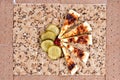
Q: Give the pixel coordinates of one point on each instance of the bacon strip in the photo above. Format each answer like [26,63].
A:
[71,17]
[83,39]
[81,29]
[70,63]
[83,56]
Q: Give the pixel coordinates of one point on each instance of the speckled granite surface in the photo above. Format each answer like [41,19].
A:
[31,19]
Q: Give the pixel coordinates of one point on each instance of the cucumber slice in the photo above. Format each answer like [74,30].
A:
[46,44]
[54,52]
[48,35]
[53,28]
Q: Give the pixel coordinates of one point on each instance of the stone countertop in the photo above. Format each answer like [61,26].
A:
[30,20]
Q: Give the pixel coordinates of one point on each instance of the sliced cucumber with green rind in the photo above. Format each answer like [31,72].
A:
[53,28]
[48,35]
[54,52]
[46,44]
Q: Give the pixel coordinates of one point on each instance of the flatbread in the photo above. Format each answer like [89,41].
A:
[82,55]
[82,39]
[70,63]
[81,29]
[71,17]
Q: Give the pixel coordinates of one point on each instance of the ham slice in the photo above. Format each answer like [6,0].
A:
[81,29]
[83,39]
[83,56]
[71,17]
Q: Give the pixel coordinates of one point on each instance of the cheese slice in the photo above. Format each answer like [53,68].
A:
[81,29]
[83,39]
[82,55]
[70,63]
[71,17]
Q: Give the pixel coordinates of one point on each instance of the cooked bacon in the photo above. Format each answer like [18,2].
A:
[81,29]
[71,17]
[83,39]
[83,56]
[70,63]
